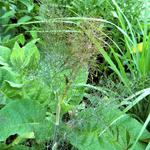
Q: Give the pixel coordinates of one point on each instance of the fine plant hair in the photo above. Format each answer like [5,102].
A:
[71,45]
[69,50]
[66,42]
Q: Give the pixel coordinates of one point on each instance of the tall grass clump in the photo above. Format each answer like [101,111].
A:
[47,101]
[67,56]
[132,62]
[137,55]
[77,40]
[129,63]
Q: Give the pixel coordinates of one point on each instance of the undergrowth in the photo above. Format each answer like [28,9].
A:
[48,98]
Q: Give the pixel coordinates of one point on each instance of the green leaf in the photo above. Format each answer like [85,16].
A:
[8,14]
[74,94]
[22,117]
[10,43]
[6,73]
[25,57]
[31,53]
[2,62]
[34,34]
[11,89]
[9,86]
[28,3]
[38,90]
[108,130]
[17,56]
[5,53]
[18,147]
[14,85]
[24,19]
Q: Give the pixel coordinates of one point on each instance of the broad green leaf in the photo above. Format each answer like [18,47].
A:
[31,53]
[9,82]
[19,139]
[17,56]
[28,3]
[8,14]
[11,89]
[34,34]
[25,57]
[38,90]
[6,73]
[21,147]
[18,147]
[5,53]
[20,39]
[100,129]
[53,72]
[24,19]
[3,62]
[22,117]
[74,94]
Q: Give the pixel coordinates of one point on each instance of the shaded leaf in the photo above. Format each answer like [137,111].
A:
[5,53]
[17,56]
[24,19]
[22,117]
